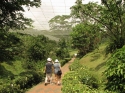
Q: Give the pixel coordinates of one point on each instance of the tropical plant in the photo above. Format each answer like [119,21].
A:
[115,72]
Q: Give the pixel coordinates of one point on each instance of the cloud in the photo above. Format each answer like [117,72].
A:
[48,10]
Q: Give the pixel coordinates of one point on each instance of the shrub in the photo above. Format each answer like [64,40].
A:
[63,62]
[23,82]
[71,84]
[75,65]
[33,65]
[81,80]
[115,72]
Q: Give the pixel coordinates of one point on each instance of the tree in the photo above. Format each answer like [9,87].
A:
[40,48]
[60,23]
[9,46]
[62,51]
[109,16]
[11,14]
[85,37]
[11,17]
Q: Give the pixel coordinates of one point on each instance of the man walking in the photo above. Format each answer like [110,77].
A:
[48,71]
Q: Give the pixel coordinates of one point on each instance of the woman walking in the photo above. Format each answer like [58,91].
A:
[57,71]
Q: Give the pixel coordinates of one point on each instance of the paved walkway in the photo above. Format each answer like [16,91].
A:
[50,88]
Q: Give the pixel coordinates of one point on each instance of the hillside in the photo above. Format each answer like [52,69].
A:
[52,35]
[96,60]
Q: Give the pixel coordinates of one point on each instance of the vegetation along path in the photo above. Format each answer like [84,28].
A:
[50,88]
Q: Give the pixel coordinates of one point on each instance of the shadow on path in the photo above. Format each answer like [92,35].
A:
[50,88]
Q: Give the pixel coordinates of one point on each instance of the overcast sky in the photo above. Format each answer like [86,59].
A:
[49,9]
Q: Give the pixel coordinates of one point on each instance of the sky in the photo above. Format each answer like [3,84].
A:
[49,9]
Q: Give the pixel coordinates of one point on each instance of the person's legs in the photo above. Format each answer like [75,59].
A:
[46,79]
[58,79]
[55,78]
[50,77]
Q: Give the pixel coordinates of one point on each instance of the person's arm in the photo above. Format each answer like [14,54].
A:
[44,69]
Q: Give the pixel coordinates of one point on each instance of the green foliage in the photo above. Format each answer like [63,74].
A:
[37,52]
[75,65]
[60,23]
[115,72]
[11,14]
[72,84]
[81,80]
[89,79]
[85,37]
[9,46]
[35,48]
[33,65]
[5,73]
[114,45]
[62,51]
[85,76]
[22,82]
[109,17]
[64,61]
[31,53]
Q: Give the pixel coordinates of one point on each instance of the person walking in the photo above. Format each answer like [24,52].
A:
[48,71]
[57,71]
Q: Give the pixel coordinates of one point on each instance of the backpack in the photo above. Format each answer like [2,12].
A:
[59,72]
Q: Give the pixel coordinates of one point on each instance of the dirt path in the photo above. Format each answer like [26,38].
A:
[50,88]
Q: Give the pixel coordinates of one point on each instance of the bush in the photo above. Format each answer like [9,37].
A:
[63,62]
[81,80]
[23,82]
[79,76]
[75,65]
[32,65]
[67,59]
[87,78]
[71,84]
[115,72]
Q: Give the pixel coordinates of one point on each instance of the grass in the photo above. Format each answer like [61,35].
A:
[96,60]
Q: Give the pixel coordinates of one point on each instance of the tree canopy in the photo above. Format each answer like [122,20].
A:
[60,23]
[109,16]
[11,13]
[12,17]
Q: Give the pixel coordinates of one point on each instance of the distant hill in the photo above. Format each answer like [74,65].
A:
[53,35]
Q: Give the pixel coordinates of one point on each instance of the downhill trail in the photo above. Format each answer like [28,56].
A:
[51,88]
